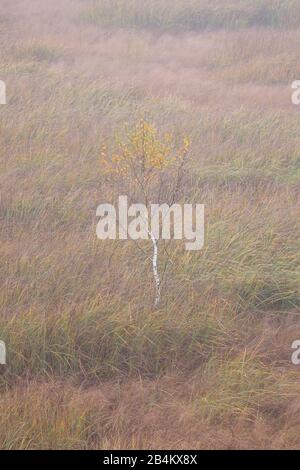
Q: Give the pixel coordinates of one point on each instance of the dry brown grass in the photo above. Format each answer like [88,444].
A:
[90,365]
[171,412]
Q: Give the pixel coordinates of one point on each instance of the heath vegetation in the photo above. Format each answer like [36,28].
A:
[90,362]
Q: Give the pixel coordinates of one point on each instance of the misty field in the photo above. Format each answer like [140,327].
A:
[90,363]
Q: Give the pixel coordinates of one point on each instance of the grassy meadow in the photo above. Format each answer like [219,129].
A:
[90,363]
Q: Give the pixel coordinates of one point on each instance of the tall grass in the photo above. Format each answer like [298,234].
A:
[96,344]
[194,14]
[89,363]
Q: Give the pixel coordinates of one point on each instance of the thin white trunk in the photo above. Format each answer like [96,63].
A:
[155,270]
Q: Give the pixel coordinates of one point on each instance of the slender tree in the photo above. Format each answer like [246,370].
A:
[149,167]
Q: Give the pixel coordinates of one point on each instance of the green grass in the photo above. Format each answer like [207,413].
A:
[97,344]
[90,364]
[194,15]
[39,52]
[237,387]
